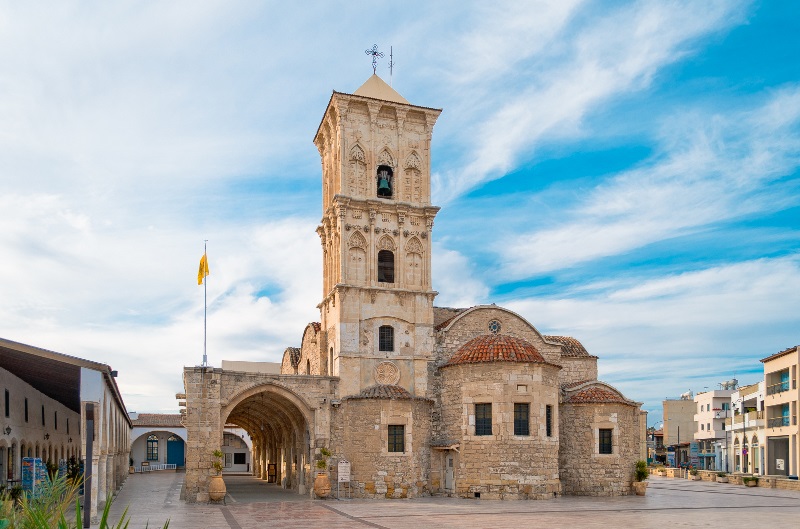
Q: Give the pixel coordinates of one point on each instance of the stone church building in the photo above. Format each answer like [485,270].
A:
[470,402]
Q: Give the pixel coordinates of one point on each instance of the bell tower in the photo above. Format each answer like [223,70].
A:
[377,219]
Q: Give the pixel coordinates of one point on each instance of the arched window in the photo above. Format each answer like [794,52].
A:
[386,338]
[152,448]
[385,266]
[384,181]
[330,364]
[308,367]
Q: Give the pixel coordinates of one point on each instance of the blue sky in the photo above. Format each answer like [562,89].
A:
[622,172]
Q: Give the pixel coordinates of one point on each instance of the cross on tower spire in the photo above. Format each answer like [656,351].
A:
[375,56]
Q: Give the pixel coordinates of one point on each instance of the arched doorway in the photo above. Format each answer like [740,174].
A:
[277,421]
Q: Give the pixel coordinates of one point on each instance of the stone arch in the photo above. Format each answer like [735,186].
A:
[278,420]
[386,158]
[386,243]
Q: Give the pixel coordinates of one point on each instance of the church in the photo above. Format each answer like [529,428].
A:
[421,400]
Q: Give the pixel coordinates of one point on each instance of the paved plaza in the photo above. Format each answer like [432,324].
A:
[251,504]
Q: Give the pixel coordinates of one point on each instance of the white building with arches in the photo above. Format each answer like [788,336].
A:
[47,397]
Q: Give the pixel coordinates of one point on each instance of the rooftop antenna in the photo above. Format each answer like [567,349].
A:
[391,65]
[375,56]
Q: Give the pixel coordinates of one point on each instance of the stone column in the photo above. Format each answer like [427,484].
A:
[102,478]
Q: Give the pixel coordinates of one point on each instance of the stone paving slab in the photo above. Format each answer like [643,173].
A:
[253,504]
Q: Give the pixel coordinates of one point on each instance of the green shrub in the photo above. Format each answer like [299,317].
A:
[721,474]
[641,472]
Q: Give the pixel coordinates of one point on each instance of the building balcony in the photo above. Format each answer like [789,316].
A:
[780,422]
[780,387]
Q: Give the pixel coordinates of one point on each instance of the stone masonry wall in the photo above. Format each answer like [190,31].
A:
[203,428]
[502,465]
[586,472]
[360,435]
[578,369]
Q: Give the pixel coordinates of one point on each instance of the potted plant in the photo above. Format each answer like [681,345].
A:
[640,475]
[750,481]
[52,469]
[322,484]
[131,468]
[694,475]
[216,486]
[722,477]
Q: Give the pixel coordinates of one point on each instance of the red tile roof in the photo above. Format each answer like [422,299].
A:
[158,419]
[317,326]
[496,348]
[569,345]
[781,353]
[384,391]
[596,395]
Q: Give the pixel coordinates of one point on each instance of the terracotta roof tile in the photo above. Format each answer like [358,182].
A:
[496,348]
[569,345]
[569,385]
[317,325]
[383,391]
[596,395]
[158,419]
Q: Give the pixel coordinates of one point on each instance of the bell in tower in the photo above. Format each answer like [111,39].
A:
[384,181]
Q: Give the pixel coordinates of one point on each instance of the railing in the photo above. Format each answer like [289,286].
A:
[777,422]
[156,466]
[780,387]
[750,416]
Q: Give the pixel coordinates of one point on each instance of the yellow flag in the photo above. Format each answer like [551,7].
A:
[203,272]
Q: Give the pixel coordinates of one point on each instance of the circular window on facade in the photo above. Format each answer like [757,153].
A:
[494,327]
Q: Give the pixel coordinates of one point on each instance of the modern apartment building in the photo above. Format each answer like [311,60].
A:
[712,408]
[781,402]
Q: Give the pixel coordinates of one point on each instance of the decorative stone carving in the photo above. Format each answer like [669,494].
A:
[385,158]
[414,246]
[413,162]
[357,154]
[386,243]
[387,373]
[357,241]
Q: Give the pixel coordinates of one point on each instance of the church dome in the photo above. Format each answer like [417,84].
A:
[496,348]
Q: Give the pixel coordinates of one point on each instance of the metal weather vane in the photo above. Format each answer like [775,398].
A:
[375,56]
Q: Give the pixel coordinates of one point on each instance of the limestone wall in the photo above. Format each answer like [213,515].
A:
[502,465]
[360,435]
[578,369]
[586,472]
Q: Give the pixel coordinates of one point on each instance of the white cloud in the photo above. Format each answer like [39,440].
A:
[615,52]
[715,173]
[655,336]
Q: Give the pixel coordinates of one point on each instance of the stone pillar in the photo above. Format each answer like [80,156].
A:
[203,428]
[102,479]
[264,459]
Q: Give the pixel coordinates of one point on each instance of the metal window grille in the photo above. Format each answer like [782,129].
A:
[386,338]
[397,438]
[483,419]
[606,446]
[549,420]
[521,419]
[385,266]
[8,404]
[26,411]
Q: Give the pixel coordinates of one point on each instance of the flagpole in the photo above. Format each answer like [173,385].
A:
[205,305]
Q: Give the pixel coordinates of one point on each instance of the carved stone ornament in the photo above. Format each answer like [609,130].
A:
[386,243]
[413,162]
[385,158]
[414,246]
[387,373]
[357,241]
[357,154]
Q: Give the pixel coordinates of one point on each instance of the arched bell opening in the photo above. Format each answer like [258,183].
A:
[385,181]
[278,428]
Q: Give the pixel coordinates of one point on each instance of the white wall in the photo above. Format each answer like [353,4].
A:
[139,445]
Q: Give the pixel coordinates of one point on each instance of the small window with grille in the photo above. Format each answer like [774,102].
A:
[549,420]
[483,419]
[521,421]
[397,438]
[386,338]
[606,446]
